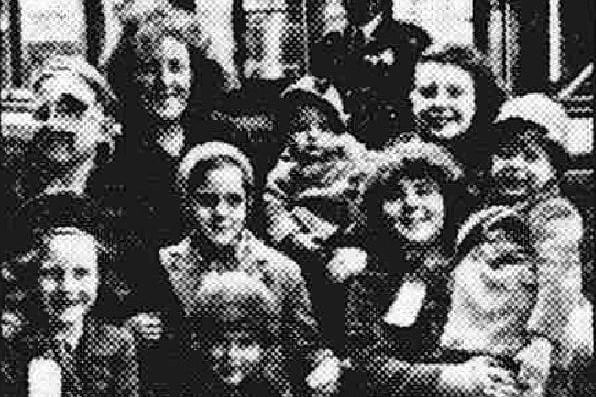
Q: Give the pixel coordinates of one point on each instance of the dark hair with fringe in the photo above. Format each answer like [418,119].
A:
[454,198]
[519,132]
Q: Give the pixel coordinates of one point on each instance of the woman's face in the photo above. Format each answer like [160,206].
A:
[417,210]
[236,356]
[70,121]
[443,99]
[165,79]
[219,205]
[69,278]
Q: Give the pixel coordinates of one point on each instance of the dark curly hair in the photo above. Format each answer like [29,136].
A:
[379,238]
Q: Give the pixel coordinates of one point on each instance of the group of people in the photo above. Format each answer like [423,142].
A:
[411,238]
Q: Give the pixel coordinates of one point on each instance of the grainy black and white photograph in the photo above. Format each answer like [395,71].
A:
[297,198]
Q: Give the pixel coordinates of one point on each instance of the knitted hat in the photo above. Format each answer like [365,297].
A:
[313,90]
[541,110]
[211,151]
[404,154]
[235,300]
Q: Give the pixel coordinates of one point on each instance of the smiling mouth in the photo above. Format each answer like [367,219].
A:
[438,123]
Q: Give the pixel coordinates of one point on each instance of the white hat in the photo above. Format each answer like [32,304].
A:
[209,151]
[322,92]
[541,110]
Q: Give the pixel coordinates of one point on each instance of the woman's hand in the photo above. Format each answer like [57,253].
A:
[479,376]
[148,325]
[346,261]
[324,379]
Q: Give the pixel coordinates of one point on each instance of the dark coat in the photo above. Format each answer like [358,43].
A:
[105,362]
[375,77]
[392,358]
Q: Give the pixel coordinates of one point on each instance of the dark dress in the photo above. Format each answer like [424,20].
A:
[388,356]
[103,364]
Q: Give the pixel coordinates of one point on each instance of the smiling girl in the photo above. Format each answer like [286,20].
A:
[59,281]
[454,99]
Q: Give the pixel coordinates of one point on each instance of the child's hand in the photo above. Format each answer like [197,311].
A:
[346,261]
[534,361]
[479,376]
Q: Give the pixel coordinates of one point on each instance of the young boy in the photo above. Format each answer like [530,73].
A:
[518,273]
[235,338]
[309,195]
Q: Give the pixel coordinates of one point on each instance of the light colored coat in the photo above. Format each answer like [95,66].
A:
[185,265]
[518,275]
[317,197]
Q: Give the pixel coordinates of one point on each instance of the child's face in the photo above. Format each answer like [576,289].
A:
[68,277]
[520,169]
[219,205]
[443,99]
[310,131]
[417,211]
[236,356]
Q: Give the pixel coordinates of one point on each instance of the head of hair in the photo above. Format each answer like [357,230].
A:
[76,66]
[299,102]
[201,159]
[23,288]
[384,183]
[235,300]
[488,93]
[519,133]
[207,75]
